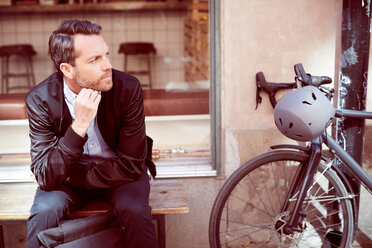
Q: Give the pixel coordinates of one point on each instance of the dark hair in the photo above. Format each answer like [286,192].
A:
[61,42]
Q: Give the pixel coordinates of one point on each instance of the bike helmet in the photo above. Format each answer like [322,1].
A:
[303,114]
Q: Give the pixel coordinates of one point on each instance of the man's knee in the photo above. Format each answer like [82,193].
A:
[48,210]
[52,208]
[134,212]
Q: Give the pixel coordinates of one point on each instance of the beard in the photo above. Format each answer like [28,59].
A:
[103,83]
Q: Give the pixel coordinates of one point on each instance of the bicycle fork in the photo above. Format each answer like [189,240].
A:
[303,182]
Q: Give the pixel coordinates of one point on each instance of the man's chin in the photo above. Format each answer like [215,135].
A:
[106,86]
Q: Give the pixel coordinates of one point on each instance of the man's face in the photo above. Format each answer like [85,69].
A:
[92,65]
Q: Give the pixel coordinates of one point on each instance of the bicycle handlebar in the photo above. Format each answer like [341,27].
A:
[271,88]
[308,79]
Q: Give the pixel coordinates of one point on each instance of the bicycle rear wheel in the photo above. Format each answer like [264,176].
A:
[248,209]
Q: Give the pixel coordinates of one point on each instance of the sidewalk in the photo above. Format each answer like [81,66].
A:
[364,237]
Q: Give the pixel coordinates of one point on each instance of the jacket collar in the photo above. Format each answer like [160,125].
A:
[62,115]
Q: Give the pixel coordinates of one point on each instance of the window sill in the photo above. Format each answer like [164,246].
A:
[185,168]
[177,172]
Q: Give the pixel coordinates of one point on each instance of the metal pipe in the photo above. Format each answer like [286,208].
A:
[355,36]
[353,114]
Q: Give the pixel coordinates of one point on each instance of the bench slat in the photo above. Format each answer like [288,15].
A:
[166,197]
[16,200]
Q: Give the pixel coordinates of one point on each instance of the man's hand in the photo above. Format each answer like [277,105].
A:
[85,107]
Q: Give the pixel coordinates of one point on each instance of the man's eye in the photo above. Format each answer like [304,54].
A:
[93,60]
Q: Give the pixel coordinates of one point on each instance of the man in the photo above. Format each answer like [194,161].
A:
[88,137]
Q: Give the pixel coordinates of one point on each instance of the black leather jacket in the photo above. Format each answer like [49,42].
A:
[56,149]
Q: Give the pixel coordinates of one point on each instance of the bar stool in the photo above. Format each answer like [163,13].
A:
[24,51]
[135,49]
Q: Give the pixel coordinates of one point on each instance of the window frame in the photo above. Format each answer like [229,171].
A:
[215,82]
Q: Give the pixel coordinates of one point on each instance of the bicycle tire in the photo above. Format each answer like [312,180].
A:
[246,216]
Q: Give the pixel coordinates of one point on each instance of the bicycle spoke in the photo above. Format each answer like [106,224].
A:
[247,202]
[234,234]
[261,227]
[276,182]
[269,199]
[241,215]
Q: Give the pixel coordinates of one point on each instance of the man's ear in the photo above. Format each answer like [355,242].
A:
[67,70]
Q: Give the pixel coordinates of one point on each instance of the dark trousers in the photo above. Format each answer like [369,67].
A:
[130,203]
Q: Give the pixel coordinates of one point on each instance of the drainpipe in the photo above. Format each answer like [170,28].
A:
[355,36]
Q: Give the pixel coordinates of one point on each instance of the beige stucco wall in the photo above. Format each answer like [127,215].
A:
[269,36]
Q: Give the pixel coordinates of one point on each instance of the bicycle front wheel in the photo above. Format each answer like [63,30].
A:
[248,209]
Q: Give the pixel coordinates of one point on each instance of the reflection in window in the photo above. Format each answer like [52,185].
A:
[166,48]
[180,96]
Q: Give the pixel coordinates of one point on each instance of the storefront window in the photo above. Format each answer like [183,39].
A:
[164,43]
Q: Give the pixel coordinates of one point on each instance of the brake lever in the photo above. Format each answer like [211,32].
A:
[301,74]
[258,97]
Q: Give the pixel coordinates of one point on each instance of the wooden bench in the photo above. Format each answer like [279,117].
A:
[166,197]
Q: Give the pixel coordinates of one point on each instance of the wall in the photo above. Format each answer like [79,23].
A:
[163,28]
[269,36]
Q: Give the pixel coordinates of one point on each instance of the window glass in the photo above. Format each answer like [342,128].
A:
[163,43]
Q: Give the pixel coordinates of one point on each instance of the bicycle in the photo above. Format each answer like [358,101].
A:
[292,196]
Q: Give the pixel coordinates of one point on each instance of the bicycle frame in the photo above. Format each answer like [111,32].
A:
[349,162]
[304,177]
[308,172]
